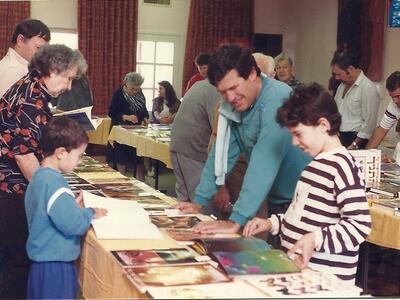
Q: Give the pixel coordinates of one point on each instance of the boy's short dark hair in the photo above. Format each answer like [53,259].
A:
[344,59]
[62,132]
[202,59]
[30,28]
[306,105]
[393,81]
[229,57]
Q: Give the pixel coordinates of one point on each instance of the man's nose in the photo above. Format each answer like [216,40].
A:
[230,96]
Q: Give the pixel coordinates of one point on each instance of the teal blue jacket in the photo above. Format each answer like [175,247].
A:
[274,164]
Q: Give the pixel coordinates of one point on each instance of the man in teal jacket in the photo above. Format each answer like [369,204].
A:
[247,125]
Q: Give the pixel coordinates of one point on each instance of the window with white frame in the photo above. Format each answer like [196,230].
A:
[156,61]
[68,37]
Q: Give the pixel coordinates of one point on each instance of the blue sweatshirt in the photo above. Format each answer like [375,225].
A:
[274,164]
[55,221]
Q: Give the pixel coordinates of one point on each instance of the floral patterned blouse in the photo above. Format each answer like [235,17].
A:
[24,112]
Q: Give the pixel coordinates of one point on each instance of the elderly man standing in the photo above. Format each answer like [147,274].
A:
[247,125]
[27,38]
[392,113]
[190,134]
[285,70]
[357,99]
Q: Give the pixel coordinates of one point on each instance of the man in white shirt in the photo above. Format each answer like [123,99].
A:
[357,99]
[27,38]
[392,113]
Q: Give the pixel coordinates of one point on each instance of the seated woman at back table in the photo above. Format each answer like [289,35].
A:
[128,107]
[166,105]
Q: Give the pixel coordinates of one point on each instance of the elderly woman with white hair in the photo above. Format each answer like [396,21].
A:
[128,107]
[24,113]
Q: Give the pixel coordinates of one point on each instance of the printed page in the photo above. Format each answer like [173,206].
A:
[125,219]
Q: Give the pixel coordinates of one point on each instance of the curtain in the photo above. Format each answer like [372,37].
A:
[107,33]
[361,30]
[212,23]
[11,13]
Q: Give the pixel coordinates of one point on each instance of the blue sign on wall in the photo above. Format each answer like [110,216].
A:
[394,13]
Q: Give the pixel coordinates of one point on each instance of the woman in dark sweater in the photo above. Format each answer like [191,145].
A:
[128,107]
[165,105]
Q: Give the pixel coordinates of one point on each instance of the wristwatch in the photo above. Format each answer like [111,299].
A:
[355,145]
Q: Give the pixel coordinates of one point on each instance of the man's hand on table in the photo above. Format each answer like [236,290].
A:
[216,227]
[185,207]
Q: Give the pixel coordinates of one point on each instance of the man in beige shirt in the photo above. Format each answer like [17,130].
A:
[27,38]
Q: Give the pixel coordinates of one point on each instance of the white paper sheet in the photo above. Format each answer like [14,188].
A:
[125,219]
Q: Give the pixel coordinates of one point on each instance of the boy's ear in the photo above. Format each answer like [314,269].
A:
[324,124]
[60,153]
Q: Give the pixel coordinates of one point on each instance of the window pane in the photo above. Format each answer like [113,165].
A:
[147,71]
[164,73]
[165,53]
[69,39]
[145,51]
[149,95]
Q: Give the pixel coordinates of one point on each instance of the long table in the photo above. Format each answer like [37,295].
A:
[145,146]
[100,135]
[385,228]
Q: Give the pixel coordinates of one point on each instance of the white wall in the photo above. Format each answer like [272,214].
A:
[56,13]
[309,33]
[309,36]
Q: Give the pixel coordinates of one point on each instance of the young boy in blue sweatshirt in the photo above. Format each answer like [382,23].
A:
[56,220]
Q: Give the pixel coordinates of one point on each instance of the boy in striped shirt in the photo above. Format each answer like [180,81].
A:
[329,217]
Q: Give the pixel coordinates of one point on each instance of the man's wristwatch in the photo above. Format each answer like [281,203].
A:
[355,145]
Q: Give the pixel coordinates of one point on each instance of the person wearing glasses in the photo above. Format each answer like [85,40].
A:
[128,107]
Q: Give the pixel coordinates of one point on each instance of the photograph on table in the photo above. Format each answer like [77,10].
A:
[107,179]
[74,179]
[271,261]
[84,187]
[306,284]
[185,235]
[207,246]
[136,258]
[184,222]
[172,275]
[225,290]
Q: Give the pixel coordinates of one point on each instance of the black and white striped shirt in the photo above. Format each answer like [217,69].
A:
[330,201]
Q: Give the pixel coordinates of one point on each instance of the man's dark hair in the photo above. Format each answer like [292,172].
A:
[62,132]
[30,28]
[344,59]
[202,59]
[393,81]
[306,105]
[170,94]
[229,57]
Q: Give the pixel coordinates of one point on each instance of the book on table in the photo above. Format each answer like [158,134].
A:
[174,275]
[249,262]
[369,162]
[83,116]
[304,284]
[222,290]
[207,246]
[176,222]
[188,237]
[156,257]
